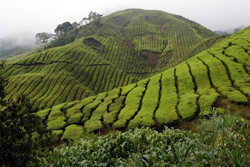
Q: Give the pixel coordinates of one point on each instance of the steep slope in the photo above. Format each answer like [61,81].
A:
[163,40]
[65,77]
[129,46]
[179,93]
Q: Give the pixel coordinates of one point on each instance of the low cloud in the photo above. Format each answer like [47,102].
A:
[24,39]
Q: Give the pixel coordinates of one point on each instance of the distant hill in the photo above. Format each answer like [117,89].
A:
[11,47]
[129,46]
[219,76]
[8,53]
[229,31]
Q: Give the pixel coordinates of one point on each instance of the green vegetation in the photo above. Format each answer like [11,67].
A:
[76,118]
[114,108]
[94,123]
[43,113]
[71,110]
[221,80]
[207,95]
[188,90]
[73,132]
[144,117]
[237,71]
[223,140]
[134,72]
[187,106]
[166,113]
[132,105]
[24,137]
[106,53]
[57,123]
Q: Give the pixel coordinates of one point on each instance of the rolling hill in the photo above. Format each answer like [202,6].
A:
[221,73]
[129,46]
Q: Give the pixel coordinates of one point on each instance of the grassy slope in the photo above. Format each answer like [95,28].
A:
[129,46]
[176,94]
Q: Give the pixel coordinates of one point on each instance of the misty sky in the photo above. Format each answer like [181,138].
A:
[25,18]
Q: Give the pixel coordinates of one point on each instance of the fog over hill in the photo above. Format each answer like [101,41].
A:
[16,44]
[125,47]
[37,16]
[227,31]
[22,39]
[33,17]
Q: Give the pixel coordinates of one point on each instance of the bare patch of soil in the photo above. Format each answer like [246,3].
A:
[42,65]
[162,30]
[232,107]
[151,57]
[207,43]
[93,42]
[167,57]
[128,43]
[195,28]
[123,30]
[220,39]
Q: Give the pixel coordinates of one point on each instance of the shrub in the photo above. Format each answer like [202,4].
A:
[57,124]
[23,135]
[76,118]
[72,132]
[166,113]
[43,113]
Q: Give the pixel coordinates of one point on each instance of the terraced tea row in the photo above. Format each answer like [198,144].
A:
[156,31]
[190,88]
[129,46]
[64,80]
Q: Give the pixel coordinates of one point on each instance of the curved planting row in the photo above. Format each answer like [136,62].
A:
[129,46]
[128,33]
[190,88]
[62,75]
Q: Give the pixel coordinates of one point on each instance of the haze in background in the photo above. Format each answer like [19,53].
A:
[30,17]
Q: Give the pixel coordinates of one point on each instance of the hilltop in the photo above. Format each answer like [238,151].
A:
[217,77]
[128,46]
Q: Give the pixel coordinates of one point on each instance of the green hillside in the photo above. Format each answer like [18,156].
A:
[129,46]
[220,73]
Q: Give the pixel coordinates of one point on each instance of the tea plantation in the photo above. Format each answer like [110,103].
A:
[139,76]
[129,46]
[179,93]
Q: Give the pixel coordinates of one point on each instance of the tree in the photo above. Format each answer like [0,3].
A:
[92,17]
[62,29]
[23,135]
[43,38]
[75,25]
[89,25]
[65,33]
[58,30]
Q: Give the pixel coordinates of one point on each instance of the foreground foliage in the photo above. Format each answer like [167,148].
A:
[23,135]
[228,145]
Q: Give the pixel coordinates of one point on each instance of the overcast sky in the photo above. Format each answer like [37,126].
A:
[28,17]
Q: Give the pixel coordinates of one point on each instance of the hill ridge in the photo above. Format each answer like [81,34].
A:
[126,48]
[217,75]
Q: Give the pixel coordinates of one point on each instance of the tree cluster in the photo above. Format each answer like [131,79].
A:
[43,38]
[92,17]
[67,32]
